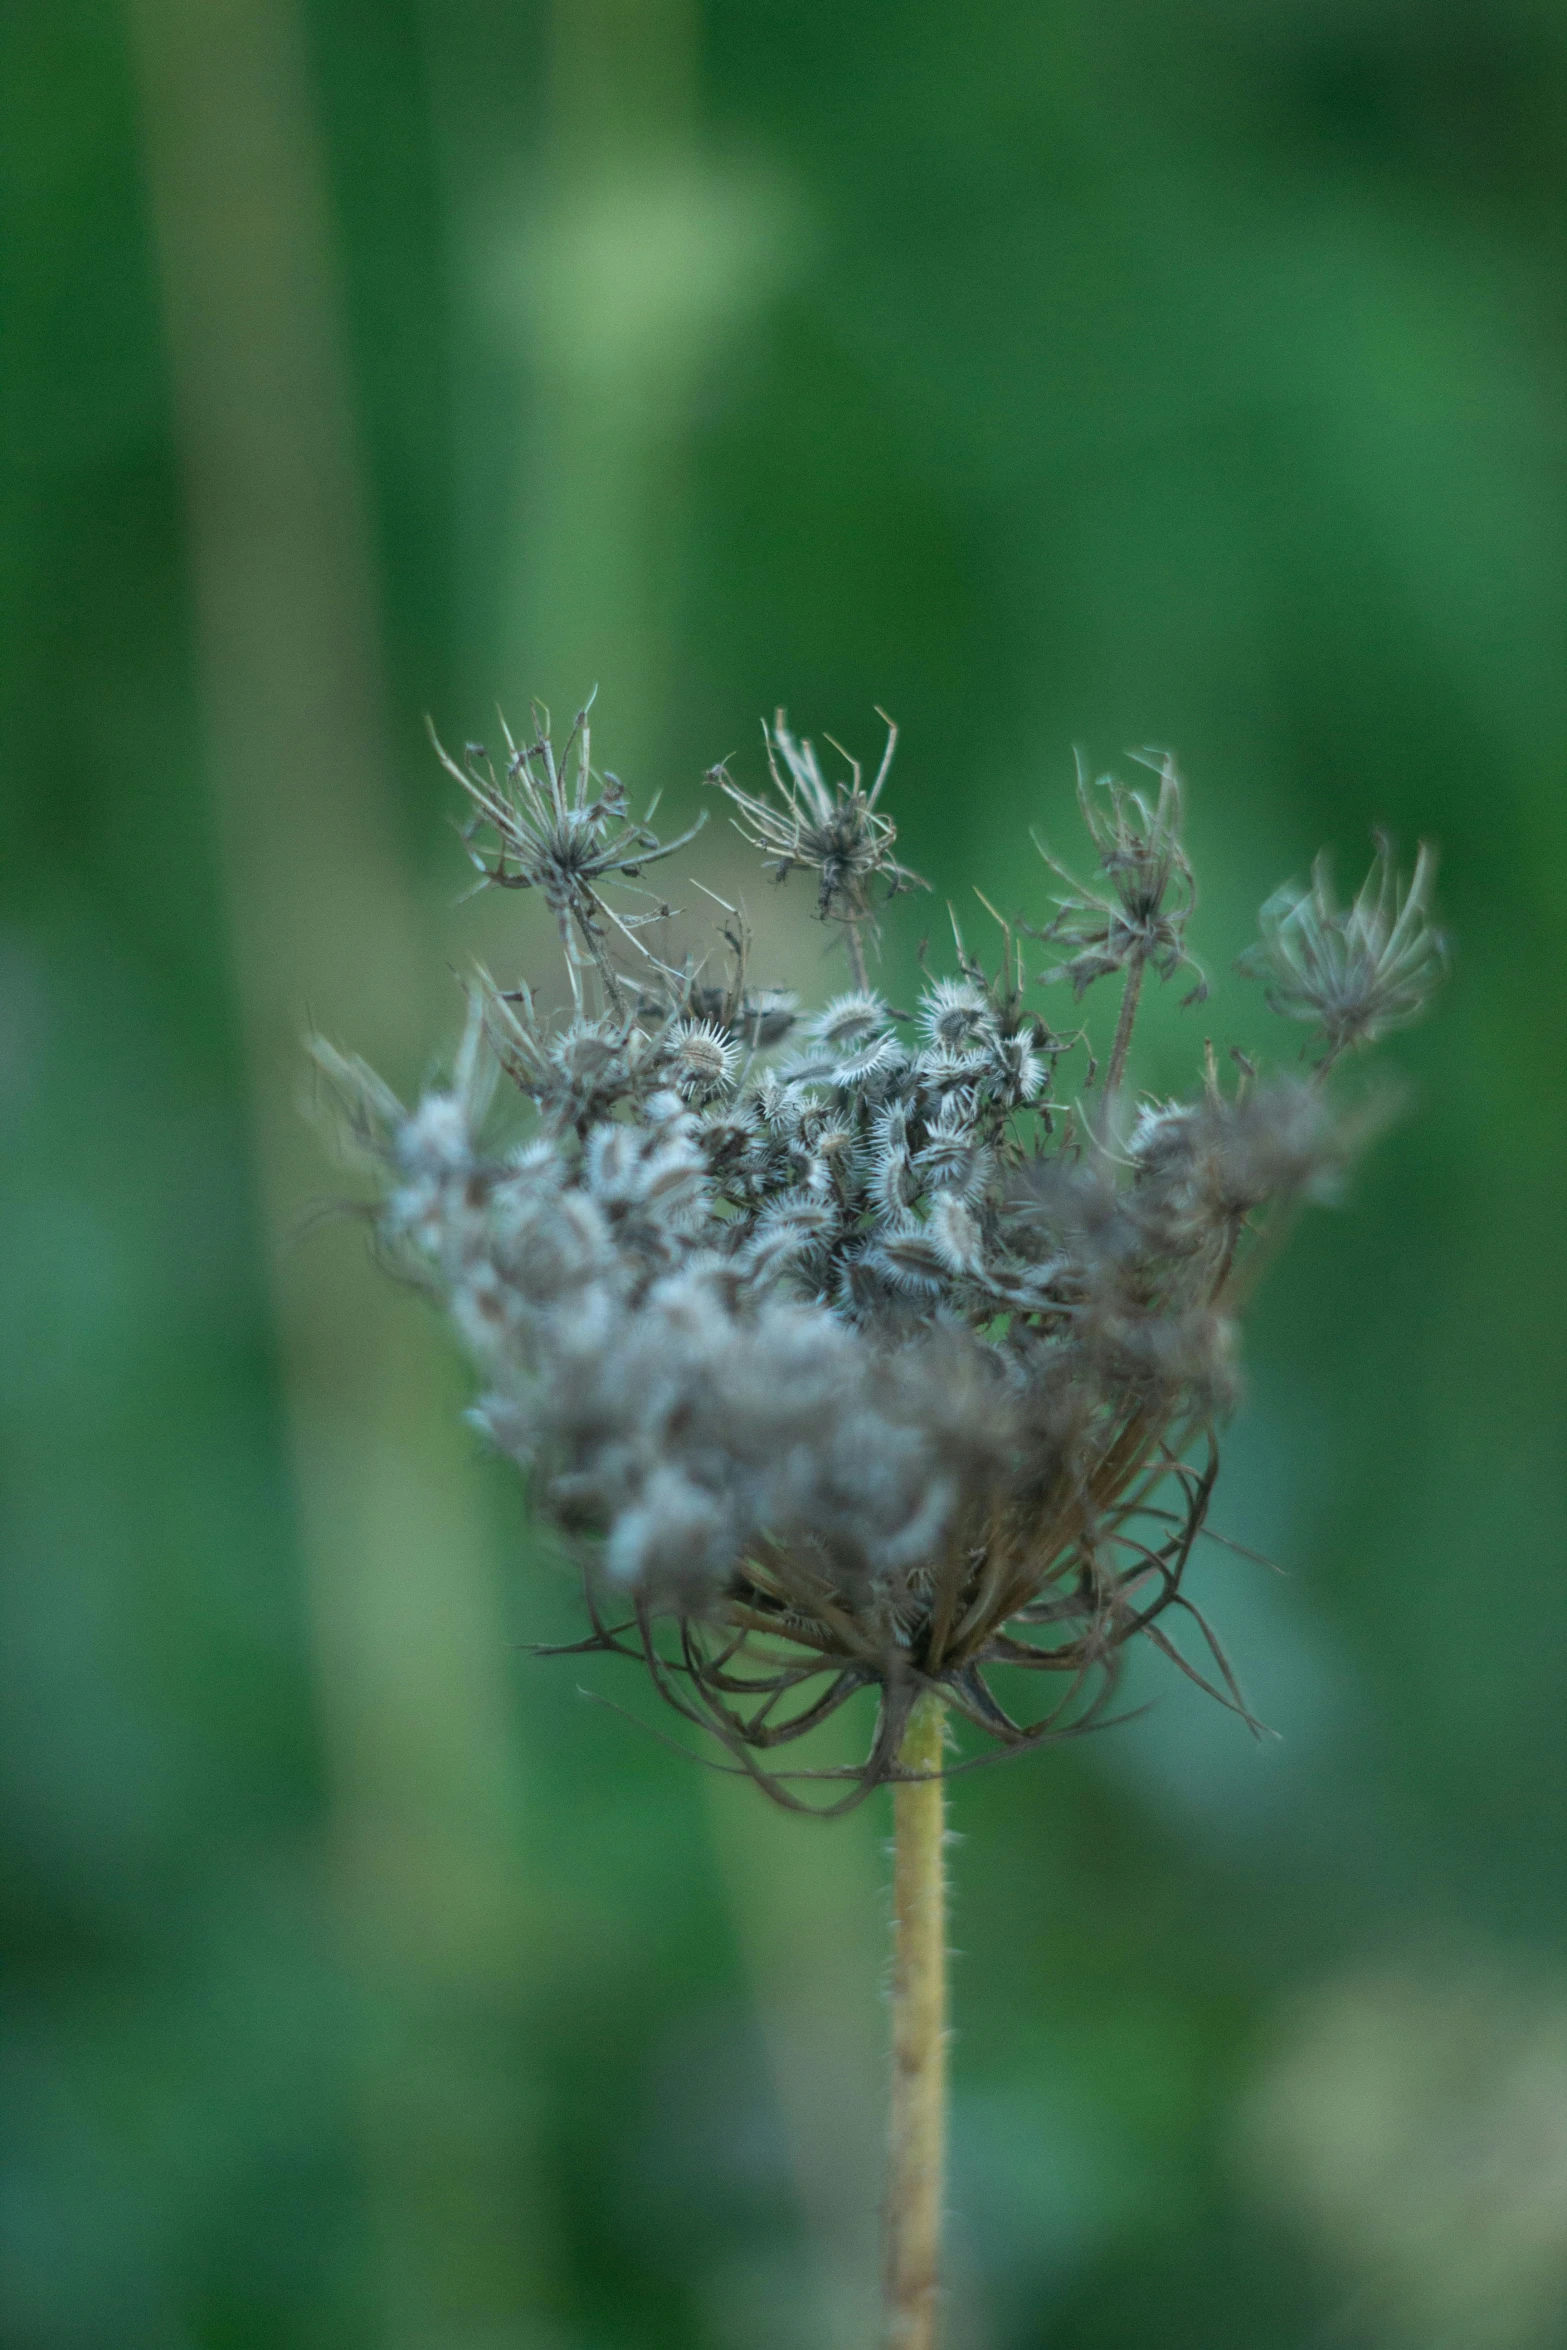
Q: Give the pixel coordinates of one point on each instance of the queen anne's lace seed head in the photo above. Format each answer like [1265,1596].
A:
[557,826]
[877,1365]
[1358,972]
[834,830]
[1140,915]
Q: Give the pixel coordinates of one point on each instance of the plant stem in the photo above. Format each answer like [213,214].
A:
[1123,1027]
[856,952]
[912,2219]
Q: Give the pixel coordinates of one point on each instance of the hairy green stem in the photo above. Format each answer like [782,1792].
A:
[916,2151]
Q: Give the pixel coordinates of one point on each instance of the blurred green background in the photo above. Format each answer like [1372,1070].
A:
[1173,371]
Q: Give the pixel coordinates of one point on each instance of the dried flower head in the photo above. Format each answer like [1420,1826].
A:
[563,829]
[845,1353]
[833,829]
[1139,918]
[1358,972]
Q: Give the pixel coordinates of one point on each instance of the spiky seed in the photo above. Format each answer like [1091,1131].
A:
[704,1058]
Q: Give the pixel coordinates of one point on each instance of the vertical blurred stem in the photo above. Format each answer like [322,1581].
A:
[324,923]
[606,487]
[804,1899]
[916,2152]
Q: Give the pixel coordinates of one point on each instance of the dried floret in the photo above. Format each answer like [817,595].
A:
[834,830]
[1139,920]
[1358,972]
[563,829]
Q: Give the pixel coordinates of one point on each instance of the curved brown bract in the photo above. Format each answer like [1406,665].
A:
[778,1653]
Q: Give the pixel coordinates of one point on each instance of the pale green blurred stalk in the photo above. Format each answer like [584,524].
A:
[615,267]
[597,274]
[807,1904]
[325,923]
[608,262]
